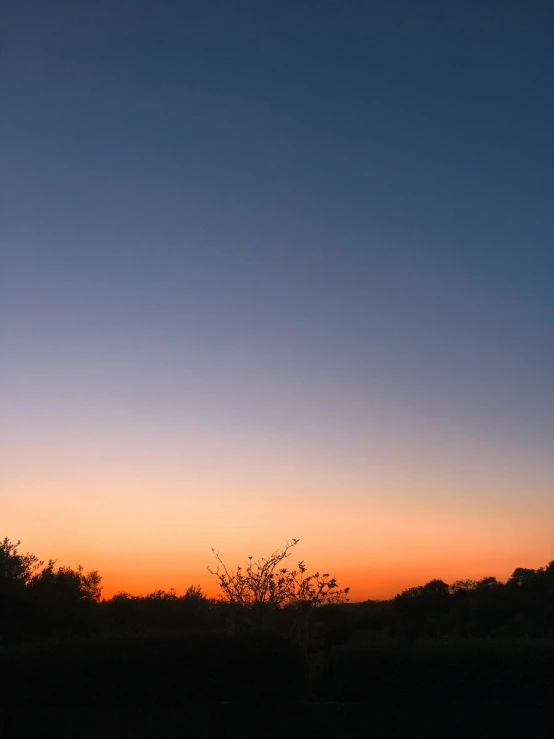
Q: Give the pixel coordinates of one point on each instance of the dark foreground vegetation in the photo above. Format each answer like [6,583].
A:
[275,636]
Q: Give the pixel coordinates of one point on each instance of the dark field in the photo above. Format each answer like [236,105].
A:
[266,666]
[273,719]
[263,684]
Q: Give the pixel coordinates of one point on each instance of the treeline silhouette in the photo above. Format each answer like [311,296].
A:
[273,632]
[42,601]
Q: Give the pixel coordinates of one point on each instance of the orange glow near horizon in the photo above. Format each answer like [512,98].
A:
[381,509]
[140,544]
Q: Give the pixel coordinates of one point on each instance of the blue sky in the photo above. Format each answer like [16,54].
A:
[328,224]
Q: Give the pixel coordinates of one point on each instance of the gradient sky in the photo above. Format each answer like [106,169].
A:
[278,269]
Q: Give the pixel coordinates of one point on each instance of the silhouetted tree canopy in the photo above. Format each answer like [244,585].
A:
[40,601]
[16,569]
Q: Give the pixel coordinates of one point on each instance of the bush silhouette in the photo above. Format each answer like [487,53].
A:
[263,583]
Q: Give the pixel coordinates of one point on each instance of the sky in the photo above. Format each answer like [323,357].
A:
[275,269]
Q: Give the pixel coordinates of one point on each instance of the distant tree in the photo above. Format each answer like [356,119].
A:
[65,600]
[487,584]
[263,583]
[436,589]
[522,576]
[462,587]
[433,589]
[164,595]
[38,601]
[65,583]
[121,612]
[15,568]
[16,607]
[422,610]
[194,592]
